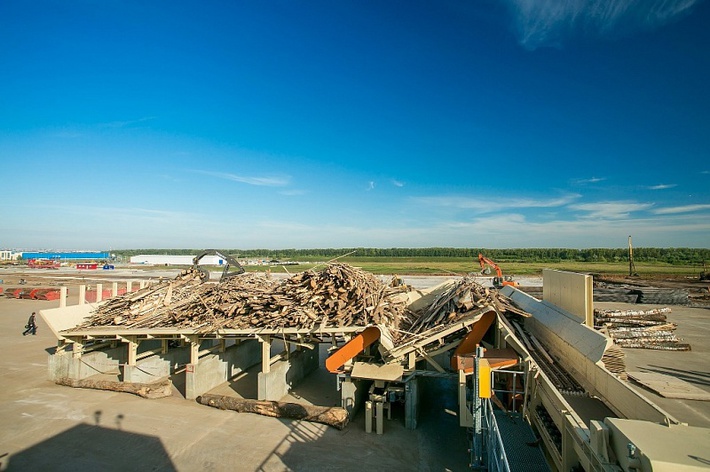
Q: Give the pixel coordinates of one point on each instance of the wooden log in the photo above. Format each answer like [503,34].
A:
[332,416]
[160,389]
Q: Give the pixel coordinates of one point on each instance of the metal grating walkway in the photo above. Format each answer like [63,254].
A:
[516,434]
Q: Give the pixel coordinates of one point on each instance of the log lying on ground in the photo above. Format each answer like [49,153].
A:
[160,389]
[331,416]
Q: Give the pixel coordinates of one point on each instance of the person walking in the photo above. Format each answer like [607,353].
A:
[31,326]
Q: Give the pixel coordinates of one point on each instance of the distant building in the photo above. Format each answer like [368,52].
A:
[168,260]
[67,256]
[7,255]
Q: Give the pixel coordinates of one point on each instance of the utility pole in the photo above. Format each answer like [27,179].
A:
[632,266]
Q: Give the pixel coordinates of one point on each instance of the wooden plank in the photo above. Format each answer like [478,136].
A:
[669,387]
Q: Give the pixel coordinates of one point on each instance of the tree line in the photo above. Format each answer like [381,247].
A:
[675,256]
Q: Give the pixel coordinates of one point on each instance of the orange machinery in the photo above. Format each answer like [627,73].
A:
[498,281]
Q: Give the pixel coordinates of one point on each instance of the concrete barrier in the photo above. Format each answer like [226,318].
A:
[287,373]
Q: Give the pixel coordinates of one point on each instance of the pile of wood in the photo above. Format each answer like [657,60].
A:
[337,296]
[641,329]
[464,299]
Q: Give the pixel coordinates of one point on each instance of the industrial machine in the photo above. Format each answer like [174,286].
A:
[229,262]
[499,280]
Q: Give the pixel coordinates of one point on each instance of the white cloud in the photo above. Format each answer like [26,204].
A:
[124,124]
[268,181]
[370,185]
[592,180]
[490,204]
[611,210]
[681,209]
[551,22]
[397,183]
[662,186]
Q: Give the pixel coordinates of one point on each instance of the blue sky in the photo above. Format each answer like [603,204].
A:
[302,124]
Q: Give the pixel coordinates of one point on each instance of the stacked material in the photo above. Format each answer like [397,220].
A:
[665,296]
[462,300]
[647,329]
[622,295]
[336,296]
[32,293]
[605,292]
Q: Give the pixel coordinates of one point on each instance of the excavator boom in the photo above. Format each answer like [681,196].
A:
[229,261]
[498,281]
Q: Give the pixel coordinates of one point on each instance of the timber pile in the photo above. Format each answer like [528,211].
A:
[640,329]
[463,300]
[337,296]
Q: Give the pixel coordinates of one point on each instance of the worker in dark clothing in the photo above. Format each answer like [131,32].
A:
[31,326]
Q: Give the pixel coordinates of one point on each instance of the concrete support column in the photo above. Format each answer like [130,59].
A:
[77,349]
[132,353]
[99,292]
[82,294]
[141,284]
[194,350]
[114,289]
[63,297]
[265,354]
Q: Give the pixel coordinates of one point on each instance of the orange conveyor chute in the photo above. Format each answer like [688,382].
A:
[351,349]
[474,337]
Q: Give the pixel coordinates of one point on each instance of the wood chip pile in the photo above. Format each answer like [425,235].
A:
[466,298]
[648,329]
[337,296]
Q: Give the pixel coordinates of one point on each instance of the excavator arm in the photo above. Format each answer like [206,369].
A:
[498,281]
[229,261]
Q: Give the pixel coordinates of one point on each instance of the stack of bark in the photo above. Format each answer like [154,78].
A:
[647,329]
[336,296]
[466,298]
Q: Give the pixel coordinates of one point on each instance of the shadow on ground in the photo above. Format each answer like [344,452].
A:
[93,447]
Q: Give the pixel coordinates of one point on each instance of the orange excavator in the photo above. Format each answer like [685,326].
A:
[498,281]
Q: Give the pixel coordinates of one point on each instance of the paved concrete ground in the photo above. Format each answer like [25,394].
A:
[691,366]
[49,427]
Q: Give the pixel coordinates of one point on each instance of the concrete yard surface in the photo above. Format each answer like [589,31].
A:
[50,427]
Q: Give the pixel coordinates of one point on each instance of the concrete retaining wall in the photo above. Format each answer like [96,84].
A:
[286,374]
[214,369]
[107,361]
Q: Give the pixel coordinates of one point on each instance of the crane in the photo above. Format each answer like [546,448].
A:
[499,280]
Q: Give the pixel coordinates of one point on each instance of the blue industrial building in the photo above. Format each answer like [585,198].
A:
[67,256]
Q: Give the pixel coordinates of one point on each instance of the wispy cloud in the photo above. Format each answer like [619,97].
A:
[488,204]
[126,123]
[592,180]
[611,210]
[551,22]
[267,181]
[662,186]
[397,183]
[370,185]
[681,209]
